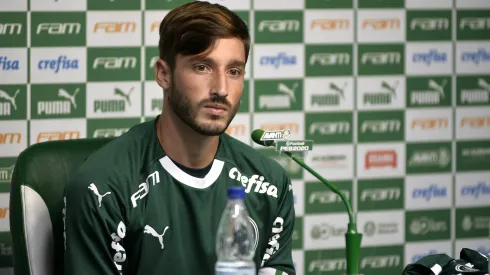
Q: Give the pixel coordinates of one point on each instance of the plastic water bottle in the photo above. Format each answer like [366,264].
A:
[235,238]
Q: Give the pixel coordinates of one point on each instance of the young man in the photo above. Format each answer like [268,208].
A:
[149,202]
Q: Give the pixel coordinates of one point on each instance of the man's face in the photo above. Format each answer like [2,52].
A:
[204,92]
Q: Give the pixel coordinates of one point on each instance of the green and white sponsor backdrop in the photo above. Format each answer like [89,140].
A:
[394,93]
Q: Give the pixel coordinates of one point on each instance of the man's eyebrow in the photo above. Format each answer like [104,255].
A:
[233,62]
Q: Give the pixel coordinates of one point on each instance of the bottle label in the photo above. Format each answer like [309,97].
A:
[229,271]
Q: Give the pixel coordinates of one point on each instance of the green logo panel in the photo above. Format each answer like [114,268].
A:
[325,262]
[431,157]
[472,222]
[376,126]
[328,60]
[327,128]
[381,3]
[164,5]
[297,237]
[13,29]
[5,248]
[319,200]
[380,194]
[278,95]
[151,57]
[472,155]
[113,5]
[473,90]
[278,27]
[58,101]
[330,4]
[473,25]
[13,102]
[111,127]
[50,29]
[427,225]
[429,25]
[245,100]
[6,171]
[294,170]
[429,91]
[381,59]
[113,64]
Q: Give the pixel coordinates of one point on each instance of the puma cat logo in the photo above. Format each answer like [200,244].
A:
[151,231]
[96,192]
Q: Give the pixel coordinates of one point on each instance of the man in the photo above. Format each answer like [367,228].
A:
[149,202]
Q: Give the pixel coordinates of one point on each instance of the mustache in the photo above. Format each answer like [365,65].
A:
[218,100]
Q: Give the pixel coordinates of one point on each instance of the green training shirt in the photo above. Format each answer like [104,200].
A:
[131,210]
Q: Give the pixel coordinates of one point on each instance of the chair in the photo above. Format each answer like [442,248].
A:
[36,203]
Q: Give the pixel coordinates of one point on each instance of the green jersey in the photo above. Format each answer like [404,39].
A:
[130,209]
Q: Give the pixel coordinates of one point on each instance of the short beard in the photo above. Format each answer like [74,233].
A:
[182,107]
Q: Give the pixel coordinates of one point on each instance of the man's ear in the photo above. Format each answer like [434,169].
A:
[163,74]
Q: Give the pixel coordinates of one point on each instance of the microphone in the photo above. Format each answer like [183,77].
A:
[352,237]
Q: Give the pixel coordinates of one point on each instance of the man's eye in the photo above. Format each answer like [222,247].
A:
[235,72]
[200,67]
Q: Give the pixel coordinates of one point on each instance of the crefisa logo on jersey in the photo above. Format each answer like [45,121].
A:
[7,64]
[59,64]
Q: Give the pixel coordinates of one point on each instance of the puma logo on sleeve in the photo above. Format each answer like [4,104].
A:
[96,192]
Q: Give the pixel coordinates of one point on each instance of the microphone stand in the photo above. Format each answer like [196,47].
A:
[352,237]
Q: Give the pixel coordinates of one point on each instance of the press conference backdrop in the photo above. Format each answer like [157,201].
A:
[395,95]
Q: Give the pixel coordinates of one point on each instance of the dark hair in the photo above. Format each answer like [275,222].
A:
[193,28]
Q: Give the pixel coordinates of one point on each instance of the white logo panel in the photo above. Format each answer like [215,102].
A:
[113,99]
[328,94]
[232,4]
[298,261]
[279,5]
[239,128]
[428,58]
[299,197]
[324,231]
[294,121]
[382,227]
[381,93]
[13,137]
[416,251]
[434,124]
[52,5]
[58,65]
[335,162]
[473,57]
[153,99]
[278,61]
[473,123]
[428,192]
[4,212]
[17,5]
[152,26]
[479,4]
[473,189]
[113,28]
[383,160]
[381,25]
[329,27]
[432,4]
[57,129]
[13,66]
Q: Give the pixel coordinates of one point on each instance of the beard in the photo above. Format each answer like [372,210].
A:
[188,112]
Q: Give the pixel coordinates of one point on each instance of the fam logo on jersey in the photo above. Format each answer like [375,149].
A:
[113,64]
[13,29]
[388,194]
[278,95]
[58,29]
[473,90]
[428,25]
[381,26]
[473,25]
[328,26]
[57,101]
[13,102]
[380,126]
[278,61]
[278,27]
[114,28]
[377,93]
[255,183]
[320,200]
[429,91]
[325,128]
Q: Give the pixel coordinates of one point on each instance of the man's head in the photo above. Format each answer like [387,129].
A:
[203,51]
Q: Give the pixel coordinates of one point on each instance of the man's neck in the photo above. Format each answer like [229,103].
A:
[184,145]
